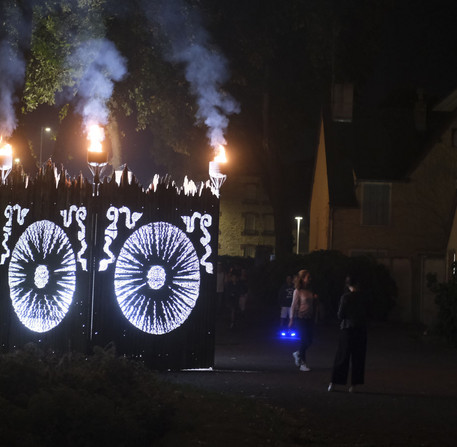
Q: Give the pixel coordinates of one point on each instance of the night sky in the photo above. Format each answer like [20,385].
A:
[416,48]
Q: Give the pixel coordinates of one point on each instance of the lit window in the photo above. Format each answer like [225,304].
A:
[376,204]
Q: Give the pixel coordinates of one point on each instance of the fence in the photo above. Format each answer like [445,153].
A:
[81,267]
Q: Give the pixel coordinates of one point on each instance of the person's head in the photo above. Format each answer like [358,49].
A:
[352,283]
[289,280]
[303,279]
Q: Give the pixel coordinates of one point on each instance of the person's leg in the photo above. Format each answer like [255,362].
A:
[306,335]
[341,364]
[359,349]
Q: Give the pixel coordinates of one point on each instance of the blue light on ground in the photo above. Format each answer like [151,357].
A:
[288,335]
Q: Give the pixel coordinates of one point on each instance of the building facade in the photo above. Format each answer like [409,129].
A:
[246,225]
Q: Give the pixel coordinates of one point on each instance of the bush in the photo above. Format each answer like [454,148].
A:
[446,300]
[329,270]
[77,400]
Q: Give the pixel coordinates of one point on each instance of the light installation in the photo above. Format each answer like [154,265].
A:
[42,276]
[7,229]
[111,231]
[205,222]
[80,215]
[157,278]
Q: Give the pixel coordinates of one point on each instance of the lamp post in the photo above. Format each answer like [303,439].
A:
[298,219]
[43,129]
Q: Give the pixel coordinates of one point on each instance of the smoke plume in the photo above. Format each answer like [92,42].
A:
[97,64]
[14,34]
[12,71]
[205,69]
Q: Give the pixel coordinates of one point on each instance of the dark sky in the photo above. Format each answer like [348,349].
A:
[418,48]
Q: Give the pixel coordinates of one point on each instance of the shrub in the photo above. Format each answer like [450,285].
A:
[328,270]
[446,300]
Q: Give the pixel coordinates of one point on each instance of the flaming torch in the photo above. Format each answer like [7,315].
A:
[6,159]
[217,177]
[97,158]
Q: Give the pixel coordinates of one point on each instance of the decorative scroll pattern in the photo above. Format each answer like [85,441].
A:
[157,278]
[9,212]
[111,231]
[42,276]
[81,214]
[205,222]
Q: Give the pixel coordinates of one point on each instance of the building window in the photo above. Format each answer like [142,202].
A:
[249,224]
[251,193]
[249,251]
[268,224]
[376,203]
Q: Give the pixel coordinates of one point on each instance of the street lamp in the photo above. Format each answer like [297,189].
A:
[298,219]
[43,129]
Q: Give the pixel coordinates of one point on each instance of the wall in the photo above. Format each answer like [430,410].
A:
[319,207]
[237,199]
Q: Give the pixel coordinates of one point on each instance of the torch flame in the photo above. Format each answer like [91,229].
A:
[220,156]
[95,135]
[5,149]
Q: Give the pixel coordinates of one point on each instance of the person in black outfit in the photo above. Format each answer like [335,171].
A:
[352,344]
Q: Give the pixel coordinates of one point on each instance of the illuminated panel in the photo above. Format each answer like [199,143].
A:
[111,231]
[9,212]
[42,276]
[205,221]
[157,278]
[81,214]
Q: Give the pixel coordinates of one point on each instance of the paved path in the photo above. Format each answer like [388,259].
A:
[410,395]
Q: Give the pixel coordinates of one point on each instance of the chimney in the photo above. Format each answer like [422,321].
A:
[420,112]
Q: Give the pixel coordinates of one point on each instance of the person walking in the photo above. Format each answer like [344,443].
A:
[305,309]
[352,345]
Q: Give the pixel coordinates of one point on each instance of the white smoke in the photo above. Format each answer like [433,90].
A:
[205,68]
[97,65]
[15,27]
[12,71]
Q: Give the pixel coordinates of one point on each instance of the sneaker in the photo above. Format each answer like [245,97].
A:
[331,387]
[303,367]
[296,356]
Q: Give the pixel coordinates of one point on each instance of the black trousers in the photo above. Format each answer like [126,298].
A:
[306,330]
[352,348]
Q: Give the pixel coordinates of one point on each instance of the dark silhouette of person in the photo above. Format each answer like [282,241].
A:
[352,344]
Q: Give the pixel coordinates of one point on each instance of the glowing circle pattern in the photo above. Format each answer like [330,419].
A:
[42,276]
[157,278]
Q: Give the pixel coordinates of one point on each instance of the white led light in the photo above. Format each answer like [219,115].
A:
[157,278]
[42,276]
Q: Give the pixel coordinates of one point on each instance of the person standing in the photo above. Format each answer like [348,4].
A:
[352,344]
[305,310]
[285,295]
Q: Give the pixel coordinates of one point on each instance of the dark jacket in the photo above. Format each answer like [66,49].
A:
[353,310]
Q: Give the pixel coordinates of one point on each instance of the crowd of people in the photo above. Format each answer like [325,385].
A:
[299,306]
